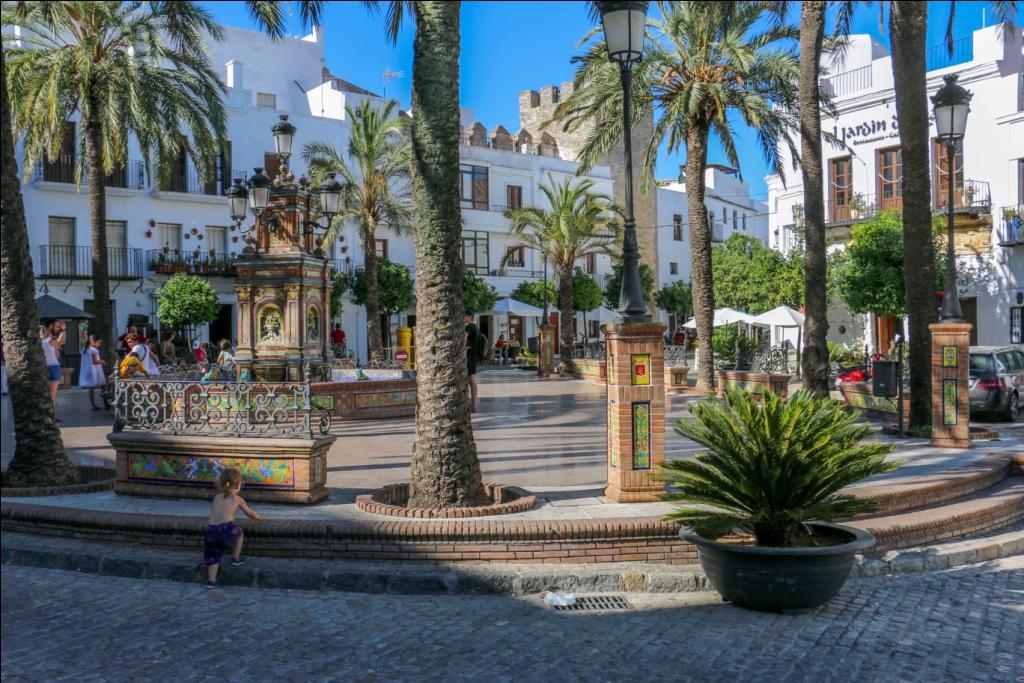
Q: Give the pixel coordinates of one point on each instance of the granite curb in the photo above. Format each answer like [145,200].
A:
[462,579]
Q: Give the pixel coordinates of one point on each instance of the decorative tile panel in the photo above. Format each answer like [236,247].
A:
[641,435]
[640,364]
[185,469]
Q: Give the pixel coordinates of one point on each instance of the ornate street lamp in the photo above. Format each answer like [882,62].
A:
[330,197]
[951,105]
[284,135]
[259,191]
[238,196]
[624,24]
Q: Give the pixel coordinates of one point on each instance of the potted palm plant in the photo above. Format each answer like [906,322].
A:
[765,491]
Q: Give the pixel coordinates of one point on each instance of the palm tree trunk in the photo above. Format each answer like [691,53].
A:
[373,327]
[102,322]
[700,250]
[39,457]
[445,469]
[568,316]
[815,354]
[908,24]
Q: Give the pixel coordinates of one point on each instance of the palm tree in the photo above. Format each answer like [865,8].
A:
[445,470]
[812,37]
[578,222]
[705,65]
[128,69]
[374,194]
[39,457]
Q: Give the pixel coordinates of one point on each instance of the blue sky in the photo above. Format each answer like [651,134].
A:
[512,46]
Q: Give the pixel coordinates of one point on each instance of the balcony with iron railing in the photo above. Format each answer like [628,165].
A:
[172,261]
[189,181]
[847,82]
[61,261]
[940,56]
[1010,228]
[969,196]
[131,176]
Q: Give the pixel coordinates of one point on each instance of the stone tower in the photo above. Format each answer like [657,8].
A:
[537,108]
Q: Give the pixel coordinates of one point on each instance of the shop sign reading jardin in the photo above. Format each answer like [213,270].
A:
[867,131]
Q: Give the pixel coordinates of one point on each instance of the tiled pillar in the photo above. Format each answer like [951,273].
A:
[950,389]
[545,349]
[243,321]
[636,410]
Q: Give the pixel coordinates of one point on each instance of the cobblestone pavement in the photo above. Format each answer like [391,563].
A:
[962,624]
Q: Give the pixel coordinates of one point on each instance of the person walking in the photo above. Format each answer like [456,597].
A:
[53,342]
[91,373]
[472,356]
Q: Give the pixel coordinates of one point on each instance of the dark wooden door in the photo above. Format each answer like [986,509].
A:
[890,179]
[841,189]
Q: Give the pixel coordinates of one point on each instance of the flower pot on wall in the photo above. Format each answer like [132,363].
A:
[777,579]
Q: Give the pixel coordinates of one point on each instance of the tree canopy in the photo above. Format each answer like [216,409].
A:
[613,287]
[586,294]
[187,300]
[532,292]
[394,282]
[751,277]
[869,272]
[478,295]
[675,298]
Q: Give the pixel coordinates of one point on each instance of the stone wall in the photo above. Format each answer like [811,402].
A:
[537,108]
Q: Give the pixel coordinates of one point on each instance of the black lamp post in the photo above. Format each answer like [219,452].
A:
[624,24]
[951,105]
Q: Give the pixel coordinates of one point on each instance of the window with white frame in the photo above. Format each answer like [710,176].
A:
[266,100]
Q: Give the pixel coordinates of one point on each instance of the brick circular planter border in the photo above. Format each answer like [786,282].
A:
[391,500]
[94,478]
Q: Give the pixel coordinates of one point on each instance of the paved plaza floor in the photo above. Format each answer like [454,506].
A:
[965,624]
[545,435]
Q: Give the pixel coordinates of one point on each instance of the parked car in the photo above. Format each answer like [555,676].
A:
[997,380]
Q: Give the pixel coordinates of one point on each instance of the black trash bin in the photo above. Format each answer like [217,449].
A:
[884,378]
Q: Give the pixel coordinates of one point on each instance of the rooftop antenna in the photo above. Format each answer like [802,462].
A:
[389,75]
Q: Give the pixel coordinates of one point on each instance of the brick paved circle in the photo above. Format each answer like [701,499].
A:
[392,500]
[956,625]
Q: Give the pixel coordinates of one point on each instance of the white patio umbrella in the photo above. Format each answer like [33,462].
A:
[723,317]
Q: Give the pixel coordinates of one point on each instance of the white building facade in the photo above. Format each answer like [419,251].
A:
[863,177]
[730,209]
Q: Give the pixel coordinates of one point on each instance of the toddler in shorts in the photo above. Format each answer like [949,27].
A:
[221,531]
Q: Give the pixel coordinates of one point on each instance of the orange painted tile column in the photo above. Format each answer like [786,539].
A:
[950,384]
[636,410]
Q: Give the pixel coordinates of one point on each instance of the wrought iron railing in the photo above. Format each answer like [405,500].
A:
[675,355]
[847,82]
[241,409]
[171,261]
[72,262]
[130,176]
[940,56]
[858,207]
[968,195]
[187,180]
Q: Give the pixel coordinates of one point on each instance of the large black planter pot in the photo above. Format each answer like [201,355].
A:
[780,579]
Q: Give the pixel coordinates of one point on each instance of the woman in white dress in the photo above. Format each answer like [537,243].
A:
[91,374]
[148,359]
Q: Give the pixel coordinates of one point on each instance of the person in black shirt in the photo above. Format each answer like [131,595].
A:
[472,355]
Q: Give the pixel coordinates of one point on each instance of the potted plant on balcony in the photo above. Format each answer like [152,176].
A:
[857,206]
[765,492]
[967,193]
[159,264]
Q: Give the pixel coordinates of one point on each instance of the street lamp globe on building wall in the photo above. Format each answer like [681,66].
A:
[951,104]
[238,197]
[624,24]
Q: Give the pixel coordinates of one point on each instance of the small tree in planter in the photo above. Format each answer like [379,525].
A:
[187,301]
[774,472]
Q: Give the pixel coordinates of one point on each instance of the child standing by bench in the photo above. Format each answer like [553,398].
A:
[221,531]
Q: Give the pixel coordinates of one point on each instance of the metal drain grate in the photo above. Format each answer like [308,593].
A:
[595,603]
